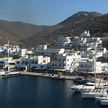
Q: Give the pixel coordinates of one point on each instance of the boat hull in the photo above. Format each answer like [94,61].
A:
[88,95]
[104,102]
[10,75]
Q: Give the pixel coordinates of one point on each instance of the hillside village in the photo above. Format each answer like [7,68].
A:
[67,54]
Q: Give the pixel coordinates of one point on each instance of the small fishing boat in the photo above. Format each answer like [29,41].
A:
[59,77]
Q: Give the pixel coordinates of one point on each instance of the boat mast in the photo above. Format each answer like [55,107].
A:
[8,56]
[95,63]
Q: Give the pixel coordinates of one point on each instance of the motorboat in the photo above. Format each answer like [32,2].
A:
[9,74]
[59,77]
[80,80]
[82,88]
[101,95]
[93,93]
[104,101]
[76,88]
[99,98]
[88,94]
[2,72]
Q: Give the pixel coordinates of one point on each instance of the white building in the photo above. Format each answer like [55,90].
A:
[23,52]
[62,42]
[105,55]
[86,42]
[38,62]
[5,62]
[13,49]
[85,33]
[67,62]
[42,49]
[87,66]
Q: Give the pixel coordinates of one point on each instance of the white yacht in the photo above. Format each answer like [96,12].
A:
[99,98]
[88,94]
[95,92]
[91,93]
[80,88]
[104,101]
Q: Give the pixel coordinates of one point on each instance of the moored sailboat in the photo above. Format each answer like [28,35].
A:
[91,93]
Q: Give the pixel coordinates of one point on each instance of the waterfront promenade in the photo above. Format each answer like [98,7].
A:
[47,75]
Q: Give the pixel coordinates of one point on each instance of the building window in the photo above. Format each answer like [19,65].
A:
[90,66]
[64,64]
[85,65]
[42,66]
[26,62]
[22,62]
[32,62]
[36,62]
[43,61]
[81,65]
[59,60]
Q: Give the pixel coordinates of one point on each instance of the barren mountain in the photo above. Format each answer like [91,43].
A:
[17,31]
[29,35]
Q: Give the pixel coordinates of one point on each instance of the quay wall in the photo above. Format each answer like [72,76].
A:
[47,75]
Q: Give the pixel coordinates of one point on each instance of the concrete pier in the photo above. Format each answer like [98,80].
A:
[47,75]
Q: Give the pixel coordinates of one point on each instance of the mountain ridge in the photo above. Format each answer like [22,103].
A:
[29,35]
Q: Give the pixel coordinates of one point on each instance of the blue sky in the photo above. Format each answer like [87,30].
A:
[47,12]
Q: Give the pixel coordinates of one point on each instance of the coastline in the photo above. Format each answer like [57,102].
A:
[46,75]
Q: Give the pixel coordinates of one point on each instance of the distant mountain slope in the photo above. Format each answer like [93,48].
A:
[29,35]
[80,17]
[98,26]
[73,25]
[16,31]
[46,36]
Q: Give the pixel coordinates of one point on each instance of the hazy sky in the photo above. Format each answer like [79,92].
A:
[47,12]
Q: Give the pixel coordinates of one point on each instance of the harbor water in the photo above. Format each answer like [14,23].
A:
[39,92]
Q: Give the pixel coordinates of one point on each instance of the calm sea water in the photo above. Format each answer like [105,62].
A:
[37,92]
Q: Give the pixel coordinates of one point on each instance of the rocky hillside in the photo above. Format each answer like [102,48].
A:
[17,31]
[31,35]
[73,25]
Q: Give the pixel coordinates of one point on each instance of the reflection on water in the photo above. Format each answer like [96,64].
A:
[37,92]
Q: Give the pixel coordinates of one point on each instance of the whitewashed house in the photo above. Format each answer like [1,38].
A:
[42,49]
[23,52]
[87,65]
[85,42]
[66,62]
[5,62]
[13,49]
[85,33]
[62,42]
[91,53]
[105,55]
[38,62]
